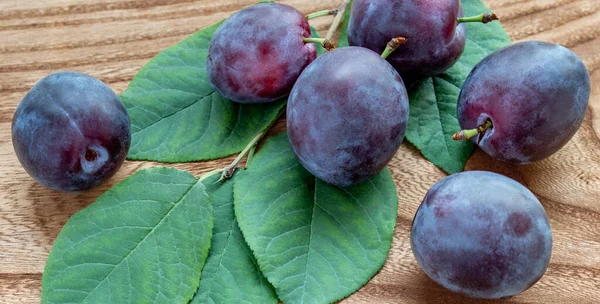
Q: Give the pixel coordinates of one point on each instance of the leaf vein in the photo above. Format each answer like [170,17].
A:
[162,118]
[107,277]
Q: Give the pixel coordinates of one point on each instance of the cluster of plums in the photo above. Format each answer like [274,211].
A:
[477,233]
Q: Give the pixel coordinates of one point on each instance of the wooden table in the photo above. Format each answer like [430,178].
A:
[113,39]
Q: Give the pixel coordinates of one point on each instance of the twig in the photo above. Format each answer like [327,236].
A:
[229,170]
[337,20]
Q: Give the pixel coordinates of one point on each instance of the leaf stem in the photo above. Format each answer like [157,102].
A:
[470,133]
[483,18]
[209,174]
[326,43]
[250,155]
[321,14]
[229,170]
[337,20]
[392,46]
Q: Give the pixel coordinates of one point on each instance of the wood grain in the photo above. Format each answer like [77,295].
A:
[112,39]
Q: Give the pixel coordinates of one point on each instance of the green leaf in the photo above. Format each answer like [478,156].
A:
[143,241]
[343,39]
[433,101]
[432,122]
[176,115]
[231,274]
[314,242]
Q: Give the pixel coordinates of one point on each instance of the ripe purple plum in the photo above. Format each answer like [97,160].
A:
[257,54]
[528,100]
[482,235]
[435,38]
[71,132]
[346,117]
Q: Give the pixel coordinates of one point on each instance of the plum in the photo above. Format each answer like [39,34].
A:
[257,54]
[71,132]
[482,235]
[528,100]
[346,117]
[435,37]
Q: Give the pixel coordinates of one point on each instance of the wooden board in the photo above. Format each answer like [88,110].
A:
[112,39]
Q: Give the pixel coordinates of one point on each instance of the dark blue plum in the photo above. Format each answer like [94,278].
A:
[257,54]
[534,93]
[346,115]
[482,235]
[71,132]
[435,38]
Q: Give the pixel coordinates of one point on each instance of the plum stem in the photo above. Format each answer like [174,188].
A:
[326,43]
[337,20]
[470,133]
[321,14]
[392,46]
[483,18]
[91,155]
[228,171]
